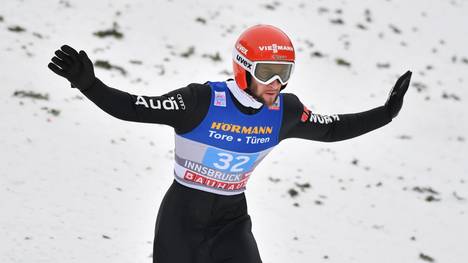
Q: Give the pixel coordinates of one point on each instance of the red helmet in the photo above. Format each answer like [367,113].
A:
[260,44]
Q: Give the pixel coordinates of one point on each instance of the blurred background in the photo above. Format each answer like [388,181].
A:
[77,185]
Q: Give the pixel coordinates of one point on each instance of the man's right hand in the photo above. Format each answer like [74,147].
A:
[75,67]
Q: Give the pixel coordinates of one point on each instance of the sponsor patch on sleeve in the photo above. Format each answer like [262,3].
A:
[305,114]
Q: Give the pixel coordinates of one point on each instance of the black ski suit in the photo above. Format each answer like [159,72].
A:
[194,226]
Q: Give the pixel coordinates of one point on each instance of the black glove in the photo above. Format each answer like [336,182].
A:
[395,97]
[75,67]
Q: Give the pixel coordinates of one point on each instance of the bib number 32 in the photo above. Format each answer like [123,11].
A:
[228,161]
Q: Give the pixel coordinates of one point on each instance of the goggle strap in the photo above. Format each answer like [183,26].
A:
[241,60]
[248,65]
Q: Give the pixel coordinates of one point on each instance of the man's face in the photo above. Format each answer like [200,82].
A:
[266,94]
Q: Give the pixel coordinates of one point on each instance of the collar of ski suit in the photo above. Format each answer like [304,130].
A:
[242,97]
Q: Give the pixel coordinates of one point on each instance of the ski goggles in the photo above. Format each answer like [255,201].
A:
[266,71]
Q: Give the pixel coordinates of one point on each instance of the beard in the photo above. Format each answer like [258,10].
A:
[252,91]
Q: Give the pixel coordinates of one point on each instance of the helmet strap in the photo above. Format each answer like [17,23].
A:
[248,78]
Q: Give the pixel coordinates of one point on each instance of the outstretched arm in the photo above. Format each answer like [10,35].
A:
[172,108]
[299,122]
[169,109]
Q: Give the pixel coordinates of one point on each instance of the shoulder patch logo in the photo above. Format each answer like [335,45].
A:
[220,99]
[275,105]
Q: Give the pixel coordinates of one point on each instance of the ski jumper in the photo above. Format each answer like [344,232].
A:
[219,141]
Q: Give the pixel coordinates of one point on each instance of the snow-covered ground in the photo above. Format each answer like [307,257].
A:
[77,185]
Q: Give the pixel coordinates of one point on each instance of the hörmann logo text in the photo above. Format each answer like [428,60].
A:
[241,129]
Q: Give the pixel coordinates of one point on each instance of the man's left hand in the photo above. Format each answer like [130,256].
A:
[395,97]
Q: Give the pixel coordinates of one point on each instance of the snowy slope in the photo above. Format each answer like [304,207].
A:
[77,185]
